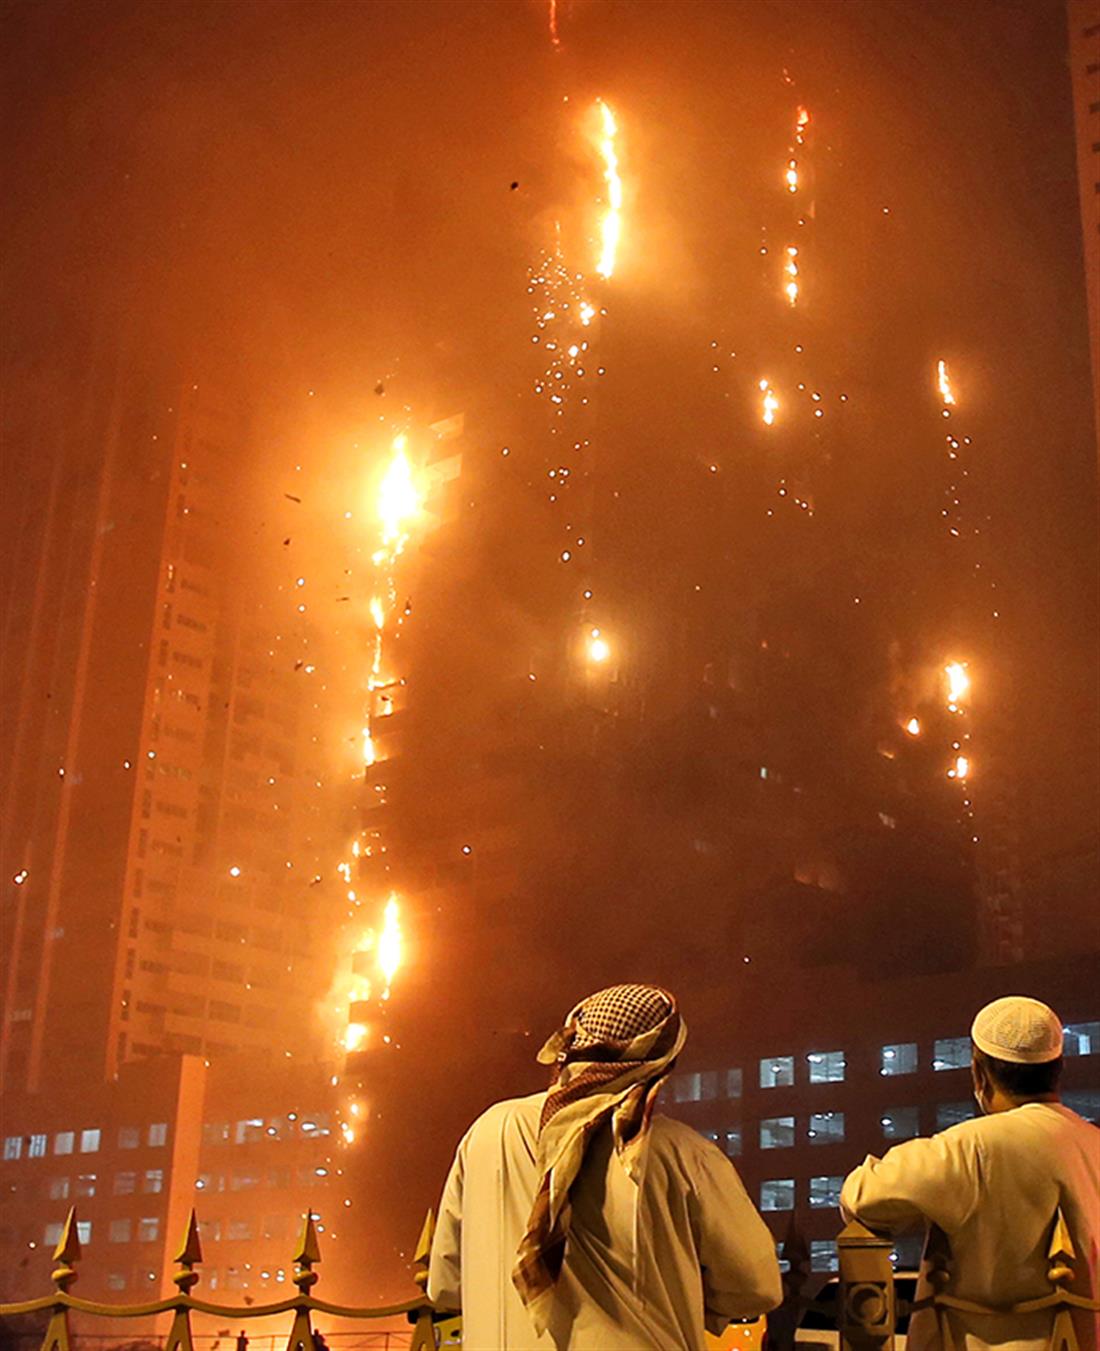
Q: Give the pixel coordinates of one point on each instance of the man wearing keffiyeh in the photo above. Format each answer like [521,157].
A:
[575,1218]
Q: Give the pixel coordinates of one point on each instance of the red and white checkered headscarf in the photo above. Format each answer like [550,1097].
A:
[611,1056]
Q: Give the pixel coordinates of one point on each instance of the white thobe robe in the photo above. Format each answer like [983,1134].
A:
[993,1186]
[646,1265]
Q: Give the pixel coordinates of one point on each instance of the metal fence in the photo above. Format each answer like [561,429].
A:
[866,1308]
[59,1304]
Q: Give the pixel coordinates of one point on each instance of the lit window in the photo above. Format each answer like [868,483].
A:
[52,1235]
[125,1184]
[89,1141]
[823,1255]
[826,1067]
[13,1147]
[85,1184]
[153,1180]
[116,1280]
[951,1113]
[38,1145]
[148,1230]
[900,1123]
[777,1071]
[951,1053]
[129,1137]
[777,1194]
[63,1142]
[899,1058]
[119,1231]
[777,1132]
[1084,1103]
[732,1142]
[158,1134]
[253,1129]
[826,1127]
[825,1191]
[58,1189]
[1082,1039]
[238,1229]
[733,1083]
[698,1087]
[84,1231]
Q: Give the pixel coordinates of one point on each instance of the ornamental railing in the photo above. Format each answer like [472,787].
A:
[867,1312]
[59,1304]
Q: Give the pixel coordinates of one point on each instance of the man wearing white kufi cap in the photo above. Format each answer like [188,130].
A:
[992,1187]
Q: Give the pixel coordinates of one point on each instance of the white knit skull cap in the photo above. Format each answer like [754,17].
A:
[1018,1029]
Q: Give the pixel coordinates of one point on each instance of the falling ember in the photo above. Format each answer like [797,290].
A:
[598,647]
[791,176]
[389,941]
[770,403]
[802,121]
[960,769]
[611,227]
[958,684]
[943,382]
[790,267]
[913,727]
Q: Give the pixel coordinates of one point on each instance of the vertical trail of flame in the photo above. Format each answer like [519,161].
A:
[552,19]
[611,227]
[769,404]
[943,383]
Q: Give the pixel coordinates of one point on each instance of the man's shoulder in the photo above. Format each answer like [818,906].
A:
[509,1109]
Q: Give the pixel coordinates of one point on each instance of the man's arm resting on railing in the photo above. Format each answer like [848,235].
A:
[445,1265]
[921,1181]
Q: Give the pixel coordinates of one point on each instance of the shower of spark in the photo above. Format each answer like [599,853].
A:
[769,403]
[611,227]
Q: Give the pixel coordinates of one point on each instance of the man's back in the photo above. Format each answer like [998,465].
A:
[993,1186]
[632,1271]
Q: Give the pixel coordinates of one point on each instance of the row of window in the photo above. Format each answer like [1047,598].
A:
[64,1142]
[252,1129]
[151,1181]
[778,1193]
[146,1230]
[830,1067]
[898,1123]
[311,1176]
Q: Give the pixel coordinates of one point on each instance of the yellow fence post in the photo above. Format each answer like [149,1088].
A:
[66,1255]
[190,1253]
[1061,1256]
[305,1278]
[423,1338]
[866,1309]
